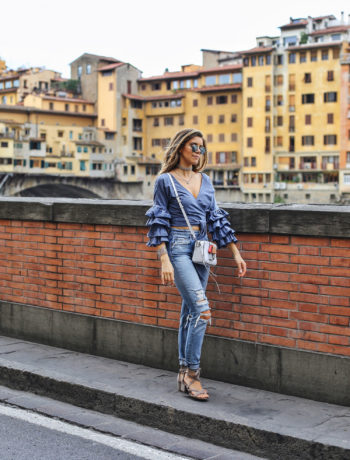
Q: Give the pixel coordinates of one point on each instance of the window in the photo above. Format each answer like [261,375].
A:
[136,124]
[253,161]
[250,122]
[267,104]
[307,77]
[88,69]
[168,121]
[253,61]
[175,84]
[324,55]
[195,83]
[330,118]
[261,60]
[280,99]
[267,145]
[307,140]
[195,102]
[220,157]
[292,58]
[308,119]
[313,56]
[4,144]
[233,98]
[209,119]
[336,53]
[279,120]
[210,100]
[330,139]
[233,118]
[279,59]
[237,78]
[249,142]
[210,80]
[224,79]
[221,118]
[136,104]
[195,119]
[267,124]
[156,121]
[268,59]
[222,137]
[80,71]
[246,161]
[182,84]
[233,137]
[84,107]
[210,138]
[59,133]
[181,120]
[246,62]
[221,99]
[308,98]
[330,96]
[110,86]
[8,84]
[279,141]
[51,106]
[267,83]
[137,143]
[250,82]
[233,157]
[330,75]
[278,80]
[156,86]
[66,107]
[291,83]
[249,102]
[302,57]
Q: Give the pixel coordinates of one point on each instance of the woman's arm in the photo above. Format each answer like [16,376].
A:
[242,266]
[167,270]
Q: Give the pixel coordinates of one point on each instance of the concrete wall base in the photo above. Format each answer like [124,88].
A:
[317,376]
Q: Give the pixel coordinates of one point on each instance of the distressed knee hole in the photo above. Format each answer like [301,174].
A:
[201,299]
[206,315]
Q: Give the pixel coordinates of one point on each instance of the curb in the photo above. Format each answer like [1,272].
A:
[210,429]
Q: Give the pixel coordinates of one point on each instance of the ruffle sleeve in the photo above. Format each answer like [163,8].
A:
[158,216]
[219,227]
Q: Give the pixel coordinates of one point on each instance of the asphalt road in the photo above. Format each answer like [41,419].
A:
[28,436]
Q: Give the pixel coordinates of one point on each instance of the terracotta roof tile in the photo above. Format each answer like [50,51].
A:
[330,30]
[225,68]
[258,50]
[170,76]
[111,66]
[155,98]
[66,99]
[295,25]
[217,88]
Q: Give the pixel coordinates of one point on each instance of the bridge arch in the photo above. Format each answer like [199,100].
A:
[57,190]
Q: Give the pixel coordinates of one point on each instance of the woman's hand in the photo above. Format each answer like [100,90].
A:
[242,266]
[167,270]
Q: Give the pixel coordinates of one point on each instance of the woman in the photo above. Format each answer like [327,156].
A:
[185,157]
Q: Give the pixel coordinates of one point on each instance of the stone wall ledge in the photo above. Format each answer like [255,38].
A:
[295,219]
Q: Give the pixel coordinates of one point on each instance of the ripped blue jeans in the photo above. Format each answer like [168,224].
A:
[191,280]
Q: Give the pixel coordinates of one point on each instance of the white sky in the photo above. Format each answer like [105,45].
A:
[150,34]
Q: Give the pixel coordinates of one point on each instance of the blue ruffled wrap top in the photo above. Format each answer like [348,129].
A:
[202,211]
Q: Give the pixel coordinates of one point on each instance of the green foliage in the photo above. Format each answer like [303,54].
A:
[68,85]
[303,38]
[278,199]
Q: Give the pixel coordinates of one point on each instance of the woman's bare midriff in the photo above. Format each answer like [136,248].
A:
[195,228]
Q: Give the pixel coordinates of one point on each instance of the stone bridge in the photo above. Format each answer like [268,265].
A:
[50,185]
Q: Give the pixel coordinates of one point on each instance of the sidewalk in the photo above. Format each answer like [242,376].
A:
[262,423]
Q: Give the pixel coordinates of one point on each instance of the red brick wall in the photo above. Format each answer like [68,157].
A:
[295,294]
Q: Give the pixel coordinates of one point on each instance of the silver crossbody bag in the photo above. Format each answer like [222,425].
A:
[204,251]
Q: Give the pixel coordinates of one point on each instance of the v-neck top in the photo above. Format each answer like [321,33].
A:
[202,211]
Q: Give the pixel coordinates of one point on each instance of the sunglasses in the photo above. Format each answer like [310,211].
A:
[196,148]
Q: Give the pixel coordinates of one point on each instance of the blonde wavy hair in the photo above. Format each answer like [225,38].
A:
[172,153]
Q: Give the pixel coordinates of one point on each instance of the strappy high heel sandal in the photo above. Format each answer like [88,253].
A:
[180,378]
[199,393]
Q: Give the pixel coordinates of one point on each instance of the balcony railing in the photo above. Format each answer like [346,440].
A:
[308,165]
[330,166]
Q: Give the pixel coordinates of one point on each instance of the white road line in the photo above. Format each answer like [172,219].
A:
[130,447]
